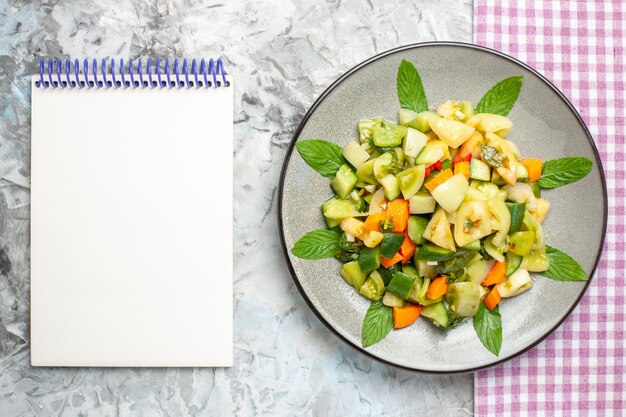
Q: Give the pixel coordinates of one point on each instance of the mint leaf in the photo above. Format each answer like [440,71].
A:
[559,172]
[563,267]
[501,97]
[324,157]
[318,244]
[410,89]
[488,327]
[377,323]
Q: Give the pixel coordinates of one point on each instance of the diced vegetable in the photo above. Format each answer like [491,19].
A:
[531,224]
[378,202]
[496,275]
[467,109]
[541,211]
[516,284]
[472,222]
[391,244]
[462,168]
[416,227]
[496,252]
[429,155]
[365,173]
[391,187]
[533,166]
[354,154]
[387,136]
[365,128]
[398,214]
[521,193]
[423,119]
[471,146]
[372,238]
[392,300]
[434,253]
[437,313]
[369,259]
[450,194]
[353,227]
[521,243]
[413,143]
[502,220]
[373,221]
[437,288]
[493,299]
[494,123]
[479,170]
[453,132]
[411,180]
[389,262]
[517,211]
[463,298]
[513,262]
[407,249]
[477,271]
[373,287]
[389,163]
[401,284]
[344,181]
[352,274]
[536,261]
[422,204]
[405,316]
[438,231]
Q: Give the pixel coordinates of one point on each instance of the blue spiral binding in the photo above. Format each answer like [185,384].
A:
[71,74]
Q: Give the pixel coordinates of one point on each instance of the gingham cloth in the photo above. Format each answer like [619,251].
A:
[579,369]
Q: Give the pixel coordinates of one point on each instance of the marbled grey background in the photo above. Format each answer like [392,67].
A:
[284,54]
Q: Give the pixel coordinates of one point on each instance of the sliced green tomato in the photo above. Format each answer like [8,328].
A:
[337,209]
[406,117]
[392,300]
[451,193]
[391,244]
[452,132]
[536,261]
[513,261]
[495,251]
[352,274]
[516,284]
[479,170]
[437,313]
[472,194]
[521,243]
[429,155]
[411,180]
[365,173]
[439,144]
[477,271]
[365,128]
[502,220]
[423,119]
[521,193]
[522,172]
[542,210]
[517,211]
[391,187]
[493,123]
[416,227]
[530,223]
[497,179]
[472,222]
[417,286]
[390,162]
[463,298]
[369,259]
[344,181]
[438,231]
[467,109]
[386,137]
[422,204]
[373,287]
[355,154]
[401,284]
[433,253]
[413,143]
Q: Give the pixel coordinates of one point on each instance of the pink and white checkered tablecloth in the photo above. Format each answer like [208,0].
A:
[579,369]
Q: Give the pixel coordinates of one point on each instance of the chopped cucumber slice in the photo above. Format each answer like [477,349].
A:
[385,274]
[390,162]
[392,300]
[437,313]
[422,204]
[451,193]
[414,142]
[477,271]
[410,270]
[391,244]
[429,155]
[344,181]
[522,172]
[391,187]
[488,189]
[336,209]
[467,109]
[352,274]
[536,261]
[475,245]
[401,284]
[452,132]
[463,298]
[373,287]
[521,243]
[496,178]
[517,211]
[479,170]
[536,189]
[430,252]
[388,136]
[513,261]
[369,259]
[416,227]
[365,173]
[355,154]
[365,128]
[411,180]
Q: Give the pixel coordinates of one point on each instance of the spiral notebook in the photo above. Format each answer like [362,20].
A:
[131,214]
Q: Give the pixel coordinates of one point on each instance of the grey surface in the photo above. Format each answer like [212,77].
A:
[284,55]
[543,127]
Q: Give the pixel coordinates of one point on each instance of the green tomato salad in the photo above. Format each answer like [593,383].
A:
[438,214]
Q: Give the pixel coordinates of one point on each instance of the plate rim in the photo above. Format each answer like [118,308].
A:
[289,154]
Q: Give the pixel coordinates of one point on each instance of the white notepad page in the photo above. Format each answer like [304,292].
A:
[131,226]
